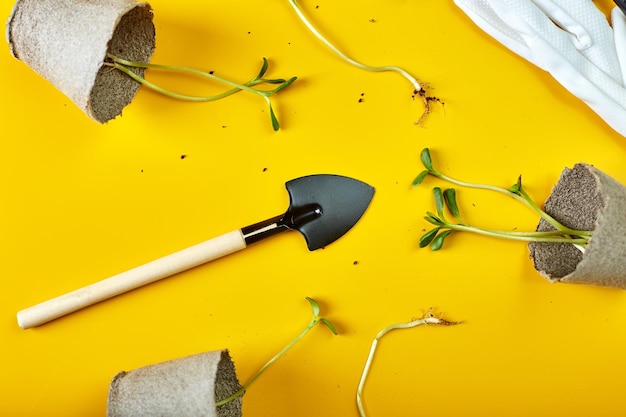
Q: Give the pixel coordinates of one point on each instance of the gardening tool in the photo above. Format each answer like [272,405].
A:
[322,208]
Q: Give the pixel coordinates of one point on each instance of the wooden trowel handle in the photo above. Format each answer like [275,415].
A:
[145,274]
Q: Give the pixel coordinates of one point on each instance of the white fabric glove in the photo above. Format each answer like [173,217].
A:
[571,39]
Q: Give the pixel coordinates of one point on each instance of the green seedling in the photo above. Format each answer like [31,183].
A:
[315,320]
[250,86]
[418,89]
[427,319]
[446,200]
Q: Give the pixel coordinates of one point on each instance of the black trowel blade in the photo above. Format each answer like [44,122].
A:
[342,201]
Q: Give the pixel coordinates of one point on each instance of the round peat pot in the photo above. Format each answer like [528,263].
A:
[585,198]
[66,42]
[185,387]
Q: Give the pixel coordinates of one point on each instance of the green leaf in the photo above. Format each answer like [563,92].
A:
[275,124]
[284,85]
[433,219]
[438,201]
[329,325]
[517,187]
[263,68]
[449,196]
[314,306]
[275,81]
[426,161]
[438,241]
[418,180]
[428,237]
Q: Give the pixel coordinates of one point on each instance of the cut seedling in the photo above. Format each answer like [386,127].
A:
[447,200]
[315,320]
[427,319]
[97,53]
[191,386]
[418,89]
[126,67]
[580,237]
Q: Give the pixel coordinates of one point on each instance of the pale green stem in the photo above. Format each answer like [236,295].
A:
[178,68]
[125,65]
[552,221]
[370,357]
[164,91]
[417,87]
[553,237]
[245,386]
[525,199]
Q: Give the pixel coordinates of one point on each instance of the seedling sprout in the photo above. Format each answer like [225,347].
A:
[315,320]
[418,89]
[427,319]
[446,199]
[249,86]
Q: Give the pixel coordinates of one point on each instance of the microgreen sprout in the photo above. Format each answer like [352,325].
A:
[126,66]
[418,89]
[315,320]
[428,318]
[446,200]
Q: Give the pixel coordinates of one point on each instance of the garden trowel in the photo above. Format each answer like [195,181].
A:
[322,208]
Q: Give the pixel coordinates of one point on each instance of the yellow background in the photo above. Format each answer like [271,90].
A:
[83,201]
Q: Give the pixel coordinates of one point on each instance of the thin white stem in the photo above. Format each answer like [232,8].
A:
[366,370]
[370,358]
[416,85]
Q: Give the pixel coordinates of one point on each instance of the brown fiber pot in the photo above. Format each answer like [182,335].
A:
[585,199]
[185,387]
[66,42]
